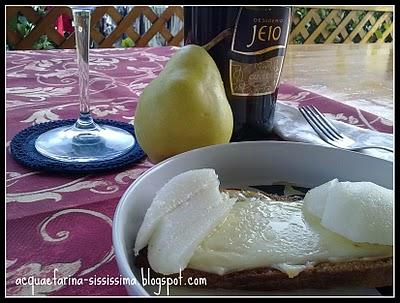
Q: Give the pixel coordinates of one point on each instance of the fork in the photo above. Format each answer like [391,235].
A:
[329,133]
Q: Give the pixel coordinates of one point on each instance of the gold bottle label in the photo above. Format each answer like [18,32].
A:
[255,79]
[258,48]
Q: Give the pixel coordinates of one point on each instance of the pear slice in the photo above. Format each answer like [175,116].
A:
[315,199]
[180,232]
[176,191]
[361,212]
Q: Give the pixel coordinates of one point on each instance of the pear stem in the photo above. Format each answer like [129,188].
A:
[217,39]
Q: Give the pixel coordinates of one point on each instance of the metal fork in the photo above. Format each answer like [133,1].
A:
[329,133]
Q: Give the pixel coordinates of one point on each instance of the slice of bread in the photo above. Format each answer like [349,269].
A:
[357,273]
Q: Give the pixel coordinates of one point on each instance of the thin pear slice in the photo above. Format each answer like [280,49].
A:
[361,212]
[176,191]
[315,199]
[181,231]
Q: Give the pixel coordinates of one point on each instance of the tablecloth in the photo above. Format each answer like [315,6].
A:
[59,225]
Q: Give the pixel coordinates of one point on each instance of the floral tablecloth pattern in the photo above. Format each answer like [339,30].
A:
[60,225]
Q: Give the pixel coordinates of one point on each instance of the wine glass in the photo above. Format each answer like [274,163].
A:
[84,141]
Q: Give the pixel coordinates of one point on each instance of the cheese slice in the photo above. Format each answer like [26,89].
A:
[259,232]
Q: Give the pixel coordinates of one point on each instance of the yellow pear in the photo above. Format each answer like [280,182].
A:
[184,108]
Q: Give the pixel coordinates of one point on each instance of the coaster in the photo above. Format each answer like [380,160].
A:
[24,152]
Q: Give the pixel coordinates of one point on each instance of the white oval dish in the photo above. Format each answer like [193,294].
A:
[237,165]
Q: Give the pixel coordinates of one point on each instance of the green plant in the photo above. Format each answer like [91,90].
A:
[21,25]
[301,12]
[127,42]
[323,13]
[41,10]
[43,43]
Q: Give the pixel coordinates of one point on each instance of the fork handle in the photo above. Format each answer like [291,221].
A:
[368,147]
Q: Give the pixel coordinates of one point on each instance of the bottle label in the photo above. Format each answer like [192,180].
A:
[258,48]
[255,79]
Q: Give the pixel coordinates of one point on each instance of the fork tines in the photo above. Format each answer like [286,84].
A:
[319,123]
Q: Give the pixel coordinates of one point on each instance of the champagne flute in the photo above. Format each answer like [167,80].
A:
[84,141]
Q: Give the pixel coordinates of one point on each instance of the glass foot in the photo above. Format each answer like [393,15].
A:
[76,144]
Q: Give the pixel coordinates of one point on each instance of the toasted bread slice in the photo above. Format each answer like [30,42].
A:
[377,273]
[357,273]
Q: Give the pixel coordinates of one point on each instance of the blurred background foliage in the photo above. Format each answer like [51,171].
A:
[23,27]
[301,12]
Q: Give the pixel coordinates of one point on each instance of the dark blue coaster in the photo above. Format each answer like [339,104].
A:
[24,152]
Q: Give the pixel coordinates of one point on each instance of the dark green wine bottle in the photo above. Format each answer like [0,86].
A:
[248,44]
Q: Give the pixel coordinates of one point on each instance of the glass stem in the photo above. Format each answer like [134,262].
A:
[82,38]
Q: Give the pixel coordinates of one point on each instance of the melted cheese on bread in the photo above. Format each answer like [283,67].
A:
[259,232]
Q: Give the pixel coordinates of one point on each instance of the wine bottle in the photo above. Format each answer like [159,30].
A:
[248,45]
